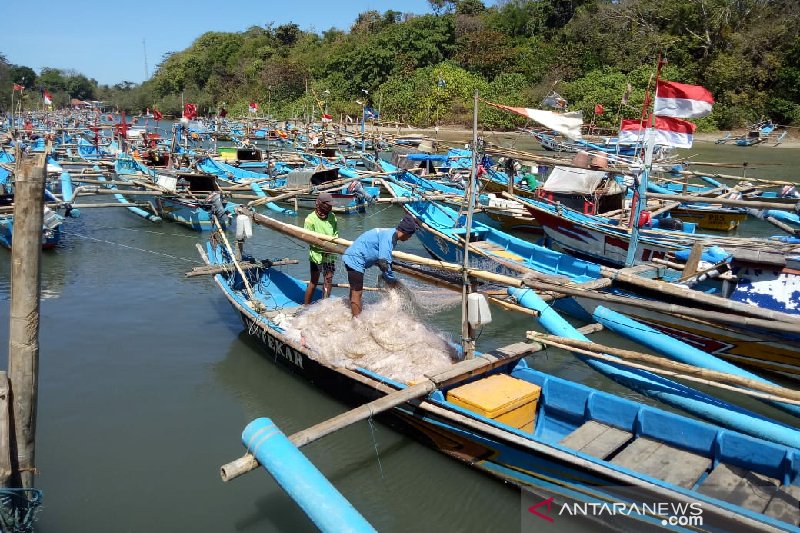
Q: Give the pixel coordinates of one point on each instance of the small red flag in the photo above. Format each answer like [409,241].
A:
[190,111]
[599,109]
[157,114]
[18,87]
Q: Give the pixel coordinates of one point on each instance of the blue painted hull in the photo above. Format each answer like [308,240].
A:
[538,460]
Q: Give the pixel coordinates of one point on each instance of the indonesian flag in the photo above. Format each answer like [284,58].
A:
[682,101]
[326,117]
[669,131]
[48,99]
[18,87]
[157,114]
[568,124]
[253,107]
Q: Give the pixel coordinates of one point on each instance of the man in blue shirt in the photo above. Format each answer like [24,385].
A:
[374,247]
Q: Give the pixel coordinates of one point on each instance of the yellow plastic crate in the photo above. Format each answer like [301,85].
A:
[500,397]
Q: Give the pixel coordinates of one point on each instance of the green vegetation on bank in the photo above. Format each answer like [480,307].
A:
[423,69]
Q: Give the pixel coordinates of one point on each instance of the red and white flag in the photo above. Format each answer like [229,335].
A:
[326,117]
[48,99]
[18,87]
[682,101]
[567,124]
[253,107]
[669,131]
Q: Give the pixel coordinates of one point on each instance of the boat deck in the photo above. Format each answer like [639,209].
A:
[725,482]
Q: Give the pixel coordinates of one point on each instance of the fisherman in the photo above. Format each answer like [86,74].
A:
[322,220]
[374,247]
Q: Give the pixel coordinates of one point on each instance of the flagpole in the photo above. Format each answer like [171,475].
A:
[640,198]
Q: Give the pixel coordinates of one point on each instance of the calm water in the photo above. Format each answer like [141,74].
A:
[147,382]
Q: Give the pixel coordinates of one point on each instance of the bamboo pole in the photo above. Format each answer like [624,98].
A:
[23,346]
[769,319]
[458,372]
[672,368]
[723,201]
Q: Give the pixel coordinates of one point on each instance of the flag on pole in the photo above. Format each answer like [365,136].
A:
[190,111]
[157,114]
[253,108]
[326,118]
[599,109]
[568,124]
[669,131]
[682,101]
[48,99]
[18,87]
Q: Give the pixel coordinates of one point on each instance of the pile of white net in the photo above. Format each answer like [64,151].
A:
[385,338]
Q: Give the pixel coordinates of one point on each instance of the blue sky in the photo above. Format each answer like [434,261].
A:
[103,40]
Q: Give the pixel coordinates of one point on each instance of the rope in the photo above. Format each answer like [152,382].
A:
[18,508]
[194,261]
[375,441]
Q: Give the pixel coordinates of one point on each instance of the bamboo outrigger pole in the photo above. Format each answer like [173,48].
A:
[770,320]
[672,368]
[454,374]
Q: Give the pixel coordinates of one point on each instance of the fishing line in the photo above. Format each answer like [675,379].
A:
[375,442]
[131,247]
[154,232]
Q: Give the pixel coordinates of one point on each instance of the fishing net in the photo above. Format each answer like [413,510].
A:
[386,338]
[18,509]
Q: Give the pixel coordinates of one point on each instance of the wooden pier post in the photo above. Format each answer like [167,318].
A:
[23,345]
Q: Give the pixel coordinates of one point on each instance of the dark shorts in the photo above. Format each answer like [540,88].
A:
[322,267]
[355,279]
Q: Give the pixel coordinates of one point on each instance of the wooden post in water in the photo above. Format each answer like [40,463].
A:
[23,345]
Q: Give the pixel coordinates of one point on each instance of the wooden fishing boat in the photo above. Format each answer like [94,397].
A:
[558,439]
[188,199]
[735,340]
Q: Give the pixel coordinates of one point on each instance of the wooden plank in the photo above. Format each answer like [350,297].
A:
[785,505]
[583,435]
[596,439]
[739,487]
[636,452]
[663,461]
[5,431]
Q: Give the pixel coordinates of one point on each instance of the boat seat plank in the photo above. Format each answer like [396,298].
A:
[740,487]
[785,505]
[663,462]
[596,439]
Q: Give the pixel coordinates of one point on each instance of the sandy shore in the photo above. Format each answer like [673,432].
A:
[457,132]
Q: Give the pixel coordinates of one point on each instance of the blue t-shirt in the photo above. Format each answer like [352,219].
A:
[369,248]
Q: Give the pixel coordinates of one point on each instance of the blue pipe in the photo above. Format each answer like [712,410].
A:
[677,350]
[319,499]
[711,181]
[66,187]
[272,205]
[665,390]
[133,209]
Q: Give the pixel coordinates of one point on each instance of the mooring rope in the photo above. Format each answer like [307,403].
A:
[88,237]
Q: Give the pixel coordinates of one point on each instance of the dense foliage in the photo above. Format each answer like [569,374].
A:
[423,69]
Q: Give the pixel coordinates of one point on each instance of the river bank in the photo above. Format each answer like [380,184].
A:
[450,133]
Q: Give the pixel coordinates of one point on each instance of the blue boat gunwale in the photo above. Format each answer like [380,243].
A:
[721,445]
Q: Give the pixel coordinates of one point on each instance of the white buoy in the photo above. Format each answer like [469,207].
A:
[478,313]
[244,227]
